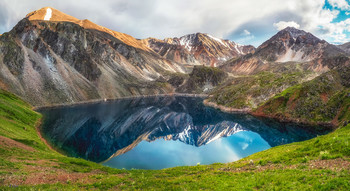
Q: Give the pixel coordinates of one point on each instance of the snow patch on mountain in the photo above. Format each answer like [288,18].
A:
[48,14]
[237,47]
[187,41]
[217,39]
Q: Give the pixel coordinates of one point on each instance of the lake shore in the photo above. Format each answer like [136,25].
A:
[114,99]
[206,102]
[282,119]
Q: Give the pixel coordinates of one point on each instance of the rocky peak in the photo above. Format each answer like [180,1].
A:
[202,39]
[291,44]
[291,36]
[197,49]
[54,15]
[293,32]
[50,14]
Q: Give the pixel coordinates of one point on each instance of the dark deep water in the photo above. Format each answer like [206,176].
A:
[163,132]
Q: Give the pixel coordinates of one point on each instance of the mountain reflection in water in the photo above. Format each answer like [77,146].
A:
[101,131]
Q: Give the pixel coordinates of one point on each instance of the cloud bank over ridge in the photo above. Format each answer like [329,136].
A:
[247,22]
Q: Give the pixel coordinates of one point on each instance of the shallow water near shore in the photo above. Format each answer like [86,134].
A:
[163,132]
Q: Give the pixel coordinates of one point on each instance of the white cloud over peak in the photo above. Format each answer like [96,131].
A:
[174,18]
[283,24]
[158,18]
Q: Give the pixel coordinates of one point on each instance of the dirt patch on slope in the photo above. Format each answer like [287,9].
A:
[36,175]
[9,143]
[324,97]
[37,128]
[334,165]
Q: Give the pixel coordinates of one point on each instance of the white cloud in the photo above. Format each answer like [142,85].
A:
[336,31]
[246,32]
[283,24]
[161,19]
[158,18]
[319,21]
[341,4]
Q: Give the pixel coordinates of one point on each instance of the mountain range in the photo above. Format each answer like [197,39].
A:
[50,57]
[198,49]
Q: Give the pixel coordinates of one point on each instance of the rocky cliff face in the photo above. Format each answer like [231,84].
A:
[60,59]
[198,49]
[289,45]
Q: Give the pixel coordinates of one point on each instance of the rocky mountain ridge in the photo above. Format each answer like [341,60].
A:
[66,60]
[58,16]
[50,57]
[289,45]
[198,49]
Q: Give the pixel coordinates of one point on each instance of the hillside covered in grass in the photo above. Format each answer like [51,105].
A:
[322,163]
[324,99]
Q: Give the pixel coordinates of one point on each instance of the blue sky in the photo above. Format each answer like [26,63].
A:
[343,15]
[246,22]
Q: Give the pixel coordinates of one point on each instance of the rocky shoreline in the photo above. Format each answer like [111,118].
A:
[121,98]
[206,102]
[285,119]
[281,118]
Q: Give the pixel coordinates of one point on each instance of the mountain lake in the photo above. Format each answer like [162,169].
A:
[163,132]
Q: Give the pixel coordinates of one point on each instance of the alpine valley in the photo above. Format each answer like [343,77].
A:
[50,58]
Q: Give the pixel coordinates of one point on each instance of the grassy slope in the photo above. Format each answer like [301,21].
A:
[324,99]
[320,163]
